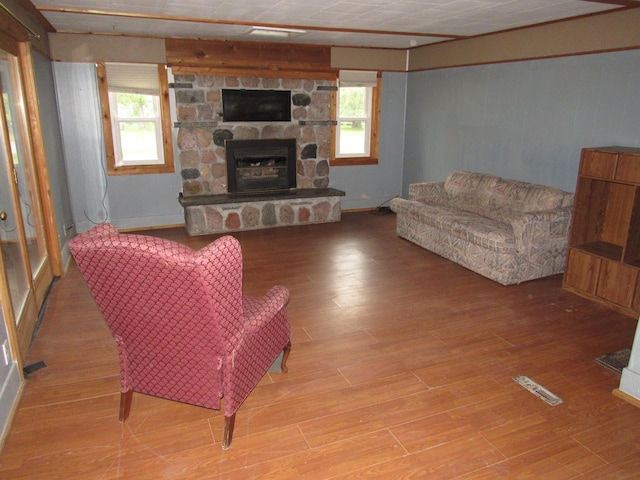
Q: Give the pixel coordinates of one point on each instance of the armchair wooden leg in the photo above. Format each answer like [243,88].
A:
[125,404]
[285,356]
[227,433]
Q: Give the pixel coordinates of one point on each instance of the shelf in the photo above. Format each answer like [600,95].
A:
[634,263]
[602,212]
[602,249]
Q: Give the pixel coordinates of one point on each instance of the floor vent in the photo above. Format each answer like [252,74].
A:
[538,390]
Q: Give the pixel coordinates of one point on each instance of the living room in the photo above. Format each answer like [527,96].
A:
[520,104]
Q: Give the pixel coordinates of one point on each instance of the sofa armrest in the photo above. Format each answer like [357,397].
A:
[427,192]
[541,227]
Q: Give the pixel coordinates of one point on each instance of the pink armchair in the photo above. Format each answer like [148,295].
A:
[183,329]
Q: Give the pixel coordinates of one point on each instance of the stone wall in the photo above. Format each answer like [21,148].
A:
[201,131]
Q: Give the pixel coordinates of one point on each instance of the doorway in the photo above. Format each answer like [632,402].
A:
[27,271]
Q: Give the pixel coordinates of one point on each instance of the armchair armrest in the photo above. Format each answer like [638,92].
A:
[427,192]
[258,311]
[541,227]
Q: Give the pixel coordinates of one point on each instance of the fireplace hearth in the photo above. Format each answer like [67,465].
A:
[261,166]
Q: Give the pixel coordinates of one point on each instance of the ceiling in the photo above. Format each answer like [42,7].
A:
[358,23]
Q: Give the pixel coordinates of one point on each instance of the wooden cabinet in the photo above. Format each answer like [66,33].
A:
[582,271]
[603,262]
[616,283]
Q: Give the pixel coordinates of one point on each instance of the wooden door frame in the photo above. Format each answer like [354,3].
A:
[17,44]
[38,150]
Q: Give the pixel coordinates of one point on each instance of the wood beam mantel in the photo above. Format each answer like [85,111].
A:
[248,56]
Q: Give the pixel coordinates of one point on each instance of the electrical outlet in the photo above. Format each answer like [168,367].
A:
[364,196]
[6,352]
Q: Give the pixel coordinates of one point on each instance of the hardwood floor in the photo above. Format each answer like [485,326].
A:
[402,367]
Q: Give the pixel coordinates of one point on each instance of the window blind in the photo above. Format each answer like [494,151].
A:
[358,78]
[133,78]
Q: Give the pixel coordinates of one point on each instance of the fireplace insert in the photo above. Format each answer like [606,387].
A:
[261,166]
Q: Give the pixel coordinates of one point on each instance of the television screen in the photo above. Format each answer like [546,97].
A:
[256,105]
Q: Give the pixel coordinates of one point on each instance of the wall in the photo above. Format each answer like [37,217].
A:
[134,201]
[10,383]
[373,185]
[524,120]
[140,201]
[54,150]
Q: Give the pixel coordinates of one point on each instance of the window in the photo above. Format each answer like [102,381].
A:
[136,119]
[357,113]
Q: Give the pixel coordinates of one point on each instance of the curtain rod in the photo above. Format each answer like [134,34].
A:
[15,17]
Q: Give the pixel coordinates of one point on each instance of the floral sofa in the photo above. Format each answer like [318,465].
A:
[507,230]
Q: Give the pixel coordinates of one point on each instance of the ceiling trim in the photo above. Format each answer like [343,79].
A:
[105,13]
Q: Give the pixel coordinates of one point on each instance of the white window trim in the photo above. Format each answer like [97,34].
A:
[366,119]
[370,79]
[117,140]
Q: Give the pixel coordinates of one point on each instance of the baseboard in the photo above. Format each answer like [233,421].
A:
[626,397]
[354,210]
[144,229]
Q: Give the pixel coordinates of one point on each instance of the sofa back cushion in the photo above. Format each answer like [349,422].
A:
[469,191]
[509,197]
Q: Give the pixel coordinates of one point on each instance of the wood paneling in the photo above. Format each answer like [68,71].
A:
[233,56]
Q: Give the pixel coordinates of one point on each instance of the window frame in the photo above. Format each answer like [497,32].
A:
[117,122]
[168,166]
[372,158]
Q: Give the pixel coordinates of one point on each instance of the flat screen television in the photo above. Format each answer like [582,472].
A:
[239,105]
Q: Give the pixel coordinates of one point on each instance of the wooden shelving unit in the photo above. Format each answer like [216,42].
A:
[603,262]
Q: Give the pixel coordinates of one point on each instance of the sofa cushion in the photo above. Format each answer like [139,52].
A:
[482,231]
[469,191]
[511,197]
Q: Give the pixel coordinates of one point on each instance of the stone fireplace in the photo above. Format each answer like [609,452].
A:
[209,195]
